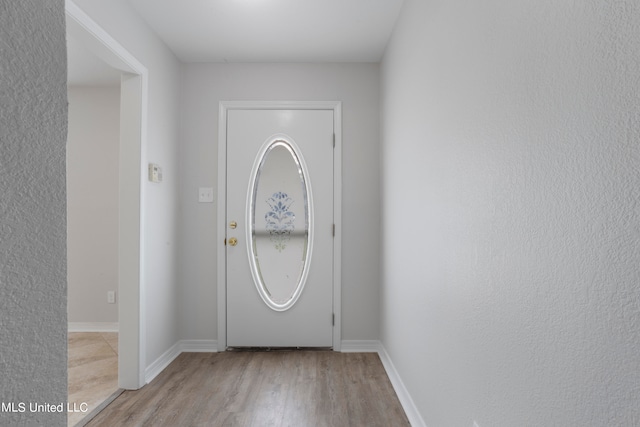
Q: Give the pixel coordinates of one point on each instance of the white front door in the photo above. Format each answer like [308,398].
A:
[279,220]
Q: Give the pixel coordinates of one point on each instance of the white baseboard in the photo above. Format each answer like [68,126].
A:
[360,346]
[161,363]
[415,419]
[198,346]
[184,346]
[92,326]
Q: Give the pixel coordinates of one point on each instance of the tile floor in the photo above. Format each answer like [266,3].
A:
[93,373]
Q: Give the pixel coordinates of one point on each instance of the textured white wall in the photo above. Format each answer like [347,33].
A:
[160,205]
[33,127]
[510,143]
[204,86]
[92,202]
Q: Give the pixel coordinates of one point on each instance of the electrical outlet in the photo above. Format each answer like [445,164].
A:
[155,173]
[111,297]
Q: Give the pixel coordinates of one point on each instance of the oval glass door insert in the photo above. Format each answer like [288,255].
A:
[279,215]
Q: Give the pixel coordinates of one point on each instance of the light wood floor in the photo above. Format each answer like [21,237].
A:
[93,371]
[277,388]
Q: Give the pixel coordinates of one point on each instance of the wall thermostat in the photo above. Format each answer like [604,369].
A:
[155,173]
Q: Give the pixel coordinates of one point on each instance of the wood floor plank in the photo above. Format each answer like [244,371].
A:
[262,389]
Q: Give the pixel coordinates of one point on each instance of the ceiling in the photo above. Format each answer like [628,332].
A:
[272,30]
[260,31]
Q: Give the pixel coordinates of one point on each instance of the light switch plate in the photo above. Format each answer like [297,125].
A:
[205,195]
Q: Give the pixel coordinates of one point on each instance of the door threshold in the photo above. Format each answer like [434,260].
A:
[91,415]
[266,349]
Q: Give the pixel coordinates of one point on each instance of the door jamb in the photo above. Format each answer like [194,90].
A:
[224,107]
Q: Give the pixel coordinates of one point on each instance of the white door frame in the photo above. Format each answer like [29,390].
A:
[133,143]
[225,106]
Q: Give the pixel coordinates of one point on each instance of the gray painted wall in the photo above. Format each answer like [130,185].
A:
[33,126]
[203,87]
[92,196]
[511,133]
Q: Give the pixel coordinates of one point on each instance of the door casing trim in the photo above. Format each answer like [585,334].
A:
[224,108]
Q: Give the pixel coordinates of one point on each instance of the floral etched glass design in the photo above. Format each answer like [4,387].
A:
[279,218]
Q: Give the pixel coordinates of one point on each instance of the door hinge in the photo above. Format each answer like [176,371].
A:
[334,140]
[225,241]
[333,319]
[333,230]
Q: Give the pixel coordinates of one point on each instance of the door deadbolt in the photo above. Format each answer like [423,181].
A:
[233,224]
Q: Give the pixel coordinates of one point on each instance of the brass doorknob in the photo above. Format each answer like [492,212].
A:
[233,241]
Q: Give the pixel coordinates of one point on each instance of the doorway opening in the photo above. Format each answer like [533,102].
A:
[93,92]
[131,141]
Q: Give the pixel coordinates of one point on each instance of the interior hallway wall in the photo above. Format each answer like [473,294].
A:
[92,202]
[160,203]
[203,87]
[511,139]
[33,260]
